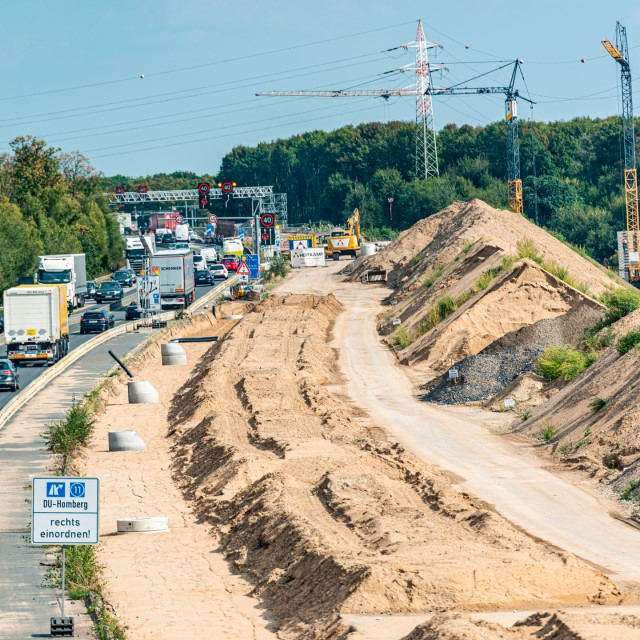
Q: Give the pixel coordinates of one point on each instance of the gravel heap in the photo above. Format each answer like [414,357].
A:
[484,374]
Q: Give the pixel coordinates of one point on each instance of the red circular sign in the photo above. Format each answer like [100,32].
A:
[267,220]
[213,218]
[119,189]
[204,188]
[143,188]
[227,187]
[179,219]
[266,236]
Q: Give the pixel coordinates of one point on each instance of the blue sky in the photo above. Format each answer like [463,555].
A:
[71,69]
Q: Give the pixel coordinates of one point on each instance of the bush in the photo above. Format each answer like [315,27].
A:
[278,267]
[547,433]
[619,303]
[526,249]
[629,492]
[597,403]
[446,306]
[564,363]
[628,341]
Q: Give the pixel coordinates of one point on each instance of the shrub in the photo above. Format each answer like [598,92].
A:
[526,249]
[525,415]
[628,341]
[563,362]
[547,433]
[278,267]
[597,403]
[619,303]
[403,338]
[463,297]
[446,306]
[414,260]
[629,492]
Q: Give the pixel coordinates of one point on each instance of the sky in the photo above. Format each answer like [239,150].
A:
[144,86]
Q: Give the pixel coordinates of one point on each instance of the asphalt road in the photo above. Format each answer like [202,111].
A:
[30,372]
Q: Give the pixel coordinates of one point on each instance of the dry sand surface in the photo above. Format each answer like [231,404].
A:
[163,585]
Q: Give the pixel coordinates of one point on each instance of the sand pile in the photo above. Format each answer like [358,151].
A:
[592,422]
[322,514]
[556,626]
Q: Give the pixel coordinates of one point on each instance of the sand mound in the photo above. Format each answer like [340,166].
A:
[595,417]
[548,626]
[321,513]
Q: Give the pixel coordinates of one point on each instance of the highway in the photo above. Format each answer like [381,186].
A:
[30,372]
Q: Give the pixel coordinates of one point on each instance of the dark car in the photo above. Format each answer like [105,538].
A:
[99,320]
[109,291]
[1,324]
[133,312]
[204,276]
[9,376]
[168,238]
[124,277]
[91,289]
[133,274]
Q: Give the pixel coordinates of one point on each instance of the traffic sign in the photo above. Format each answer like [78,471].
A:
[204,201]
[227,187]
[149,291]
[179,219]
[143,188]
[120,189]
[267,220]
[65,510]
[204,188]
[213,218]
[243,269]
[252,263]
[241,235]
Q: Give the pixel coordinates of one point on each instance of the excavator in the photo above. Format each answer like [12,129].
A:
[341,242]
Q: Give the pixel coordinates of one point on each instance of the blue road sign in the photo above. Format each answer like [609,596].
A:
[56,489]
[252,262]
[241,234]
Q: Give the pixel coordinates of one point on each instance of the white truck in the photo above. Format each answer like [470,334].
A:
[69,269]
[135,253]
[36,323]
[182,232]
[176,271]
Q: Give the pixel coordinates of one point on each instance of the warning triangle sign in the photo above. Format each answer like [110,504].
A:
[301,245]
[243,270]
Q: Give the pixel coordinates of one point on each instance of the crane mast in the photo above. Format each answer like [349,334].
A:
[620,53]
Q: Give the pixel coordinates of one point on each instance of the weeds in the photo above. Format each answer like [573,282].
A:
[437,272]
[468,246]
[619,303]
[597,403]
[547,433]
[564,363]
[414,260]
[628,493]
[525,415]
[628,341]
[526,249]
[403,338]
[278,267]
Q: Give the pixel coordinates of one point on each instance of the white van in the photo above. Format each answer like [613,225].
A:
[199,262]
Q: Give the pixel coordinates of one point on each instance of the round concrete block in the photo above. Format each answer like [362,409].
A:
[233,316]
[142,392]
[143,525]
[173,354]
[125,441]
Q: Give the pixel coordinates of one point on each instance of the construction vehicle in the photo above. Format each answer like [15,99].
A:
[36,327]
[341,242]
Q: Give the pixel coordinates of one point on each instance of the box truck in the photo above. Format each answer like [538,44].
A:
[36,323]
[70,270]
[176,271]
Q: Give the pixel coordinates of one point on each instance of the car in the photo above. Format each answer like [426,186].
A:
[219,271]
[171,246]
[91,289]
[168,238]
[193,236]
[109,291]
[133,312]
[123,277]
[9,376]
[1,323]
[182,245]
[98,320]
[204,276]
[133,274]
[231,262]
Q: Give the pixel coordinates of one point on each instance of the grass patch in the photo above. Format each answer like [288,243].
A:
[628,493]
[429,281]
[619,303]
[414,260]
[468,246]
[597,403]
[526,249]
[547,433]
[525,415]
[403,338]
[564,363]
[628,341]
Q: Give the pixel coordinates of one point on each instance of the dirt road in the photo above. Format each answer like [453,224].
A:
[492,468]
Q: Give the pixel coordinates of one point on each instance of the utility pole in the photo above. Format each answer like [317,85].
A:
[390,201]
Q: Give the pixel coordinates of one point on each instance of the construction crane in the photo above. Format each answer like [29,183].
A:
[620,53]
[426,148]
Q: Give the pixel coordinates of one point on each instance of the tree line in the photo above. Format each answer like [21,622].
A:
[50,203]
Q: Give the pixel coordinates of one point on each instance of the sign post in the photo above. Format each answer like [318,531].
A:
[65,511]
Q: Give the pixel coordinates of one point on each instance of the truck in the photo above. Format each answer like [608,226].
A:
[233,246]
[182,232]
[209,254]
[135,253]
[176,271]
[68,269]
[345,242]
[36,323]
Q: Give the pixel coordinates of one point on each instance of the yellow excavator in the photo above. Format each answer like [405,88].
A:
[341,242]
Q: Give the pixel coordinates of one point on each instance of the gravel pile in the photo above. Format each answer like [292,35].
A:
[484,374]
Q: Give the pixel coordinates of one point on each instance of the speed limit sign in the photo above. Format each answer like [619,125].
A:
[180,219]
[213,218]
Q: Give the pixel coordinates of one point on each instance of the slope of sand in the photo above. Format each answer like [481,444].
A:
[321,513]
[163,585]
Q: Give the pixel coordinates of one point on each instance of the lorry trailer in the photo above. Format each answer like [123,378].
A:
[176,271]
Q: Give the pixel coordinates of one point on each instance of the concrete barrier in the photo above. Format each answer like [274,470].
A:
[126,440]
[142,392]
[173,354]
[143,525]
